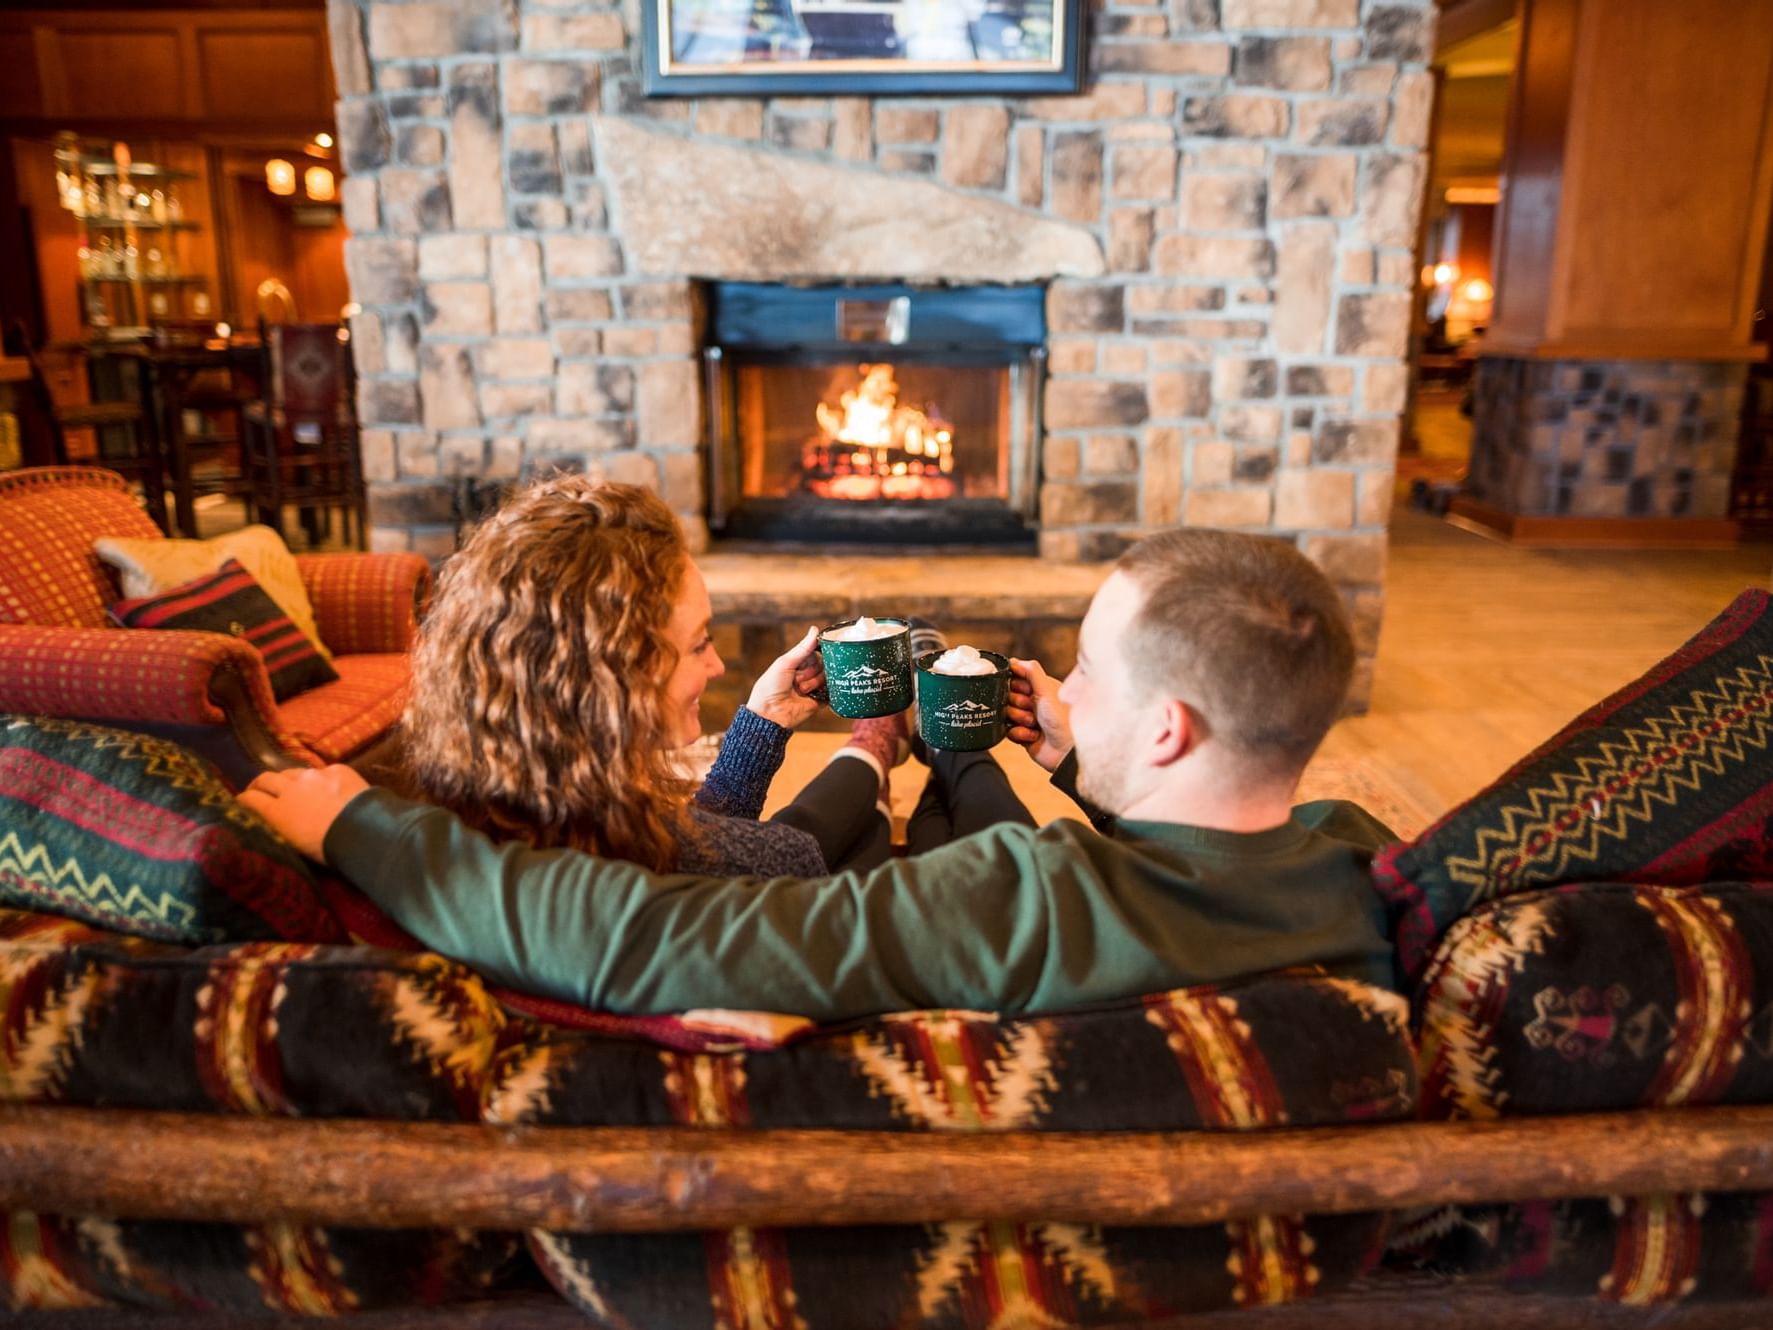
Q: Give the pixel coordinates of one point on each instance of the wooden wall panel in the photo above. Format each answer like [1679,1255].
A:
[1639,180]
[1666,138]
[1533,165]
[21,90]
[123,73]
[266,72]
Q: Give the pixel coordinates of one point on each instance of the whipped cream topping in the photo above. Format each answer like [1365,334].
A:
[962,660]
[865,630]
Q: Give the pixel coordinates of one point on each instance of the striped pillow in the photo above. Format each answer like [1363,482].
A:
[229,601]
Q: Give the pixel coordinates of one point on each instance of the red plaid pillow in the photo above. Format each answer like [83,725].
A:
[230,601]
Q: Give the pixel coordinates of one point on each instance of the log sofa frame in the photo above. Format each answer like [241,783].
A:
[652,1179]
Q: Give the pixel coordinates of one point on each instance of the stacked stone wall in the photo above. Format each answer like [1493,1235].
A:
[1227,217]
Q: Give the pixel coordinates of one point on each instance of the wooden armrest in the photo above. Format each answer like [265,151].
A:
[683,1179]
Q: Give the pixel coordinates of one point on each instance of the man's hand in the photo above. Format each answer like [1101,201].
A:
[781,692]
[301,806]
[1039,721]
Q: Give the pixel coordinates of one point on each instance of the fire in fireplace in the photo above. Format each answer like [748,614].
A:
[875,414]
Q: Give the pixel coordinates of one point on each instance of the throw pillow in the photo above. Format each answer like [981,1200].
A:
[229,601]
[148,567]
[139,836]
[1666,782]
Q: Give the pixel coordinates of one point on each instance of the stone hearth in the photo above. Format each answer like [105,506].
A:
[763,601]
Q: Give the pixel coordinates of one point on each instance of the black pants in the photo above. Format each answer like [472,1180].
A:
[966,792]
[837,809]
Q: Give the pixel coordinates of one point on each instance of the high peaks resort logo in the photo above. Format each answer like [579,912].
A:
[966,707]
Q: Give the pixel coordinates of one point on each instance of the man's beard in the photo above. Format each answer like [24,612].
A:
[1102,774]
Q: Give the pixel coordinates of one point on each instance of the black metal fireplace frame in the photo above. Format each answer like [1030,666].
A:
[989,327]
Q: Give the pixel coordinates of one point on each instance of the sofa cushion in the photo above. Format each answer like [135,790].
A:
[57,1262]
[1636,1250]
[336,719]
[1588,998]
[230,601]
[267,1029]
[1667,781]
[254,1027]
[1293,1049]
[146,568]
[137,835]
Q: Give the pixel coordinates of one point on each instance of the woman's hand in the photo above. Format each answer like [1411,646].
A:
[783,692]
[302,805]
[1039,721]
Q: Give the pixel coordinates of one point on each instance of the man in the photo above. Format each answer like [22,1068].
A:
[1210,666]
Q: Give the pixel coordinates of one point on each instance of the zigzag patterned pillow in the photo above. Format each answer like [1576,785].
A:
[1668,781]
[139,836]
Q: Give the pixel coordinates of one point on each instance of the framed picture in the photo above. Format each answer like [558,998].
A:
[762,48]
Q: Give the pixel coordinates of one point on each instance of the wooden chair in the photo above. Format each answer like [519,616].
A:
[128,442]
[201,381]
[303,434]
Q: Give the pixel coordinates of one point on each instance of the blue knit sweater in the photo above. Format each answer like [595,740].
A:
[728,839]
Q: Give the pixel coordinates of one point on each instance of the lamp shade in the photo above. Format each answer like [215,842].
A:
[280,176]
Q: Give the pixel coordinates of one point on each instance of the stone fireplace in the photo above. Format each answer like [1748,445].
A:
[1221,227]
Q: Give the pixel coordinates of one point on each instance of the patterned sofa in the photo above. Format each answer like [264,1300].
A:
[60,655]
[1568,1122]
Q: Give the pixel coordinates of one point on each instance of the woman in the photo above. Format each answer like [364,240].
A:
[560,669]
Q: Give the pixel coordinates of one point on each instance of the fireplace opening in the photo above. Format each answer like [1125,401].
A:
[878,414]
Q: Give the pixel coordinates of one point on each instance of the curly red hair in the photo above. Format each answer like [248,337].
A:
[538,708]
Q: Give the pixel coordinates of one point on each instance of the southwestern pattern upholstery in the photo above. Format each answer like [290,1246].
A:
[268,1029]
[1668,781]
[58,654]
[137,835]
[1588,998]
[1294,1049]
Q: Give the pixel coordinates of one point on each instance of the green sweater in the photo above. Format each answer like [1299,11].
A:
[1009,919]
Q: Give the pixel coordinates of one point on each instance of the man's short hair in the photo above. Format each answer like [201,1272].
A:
[1249,633]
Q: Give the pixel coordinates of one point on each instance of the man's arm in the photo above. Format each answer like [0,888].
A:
[967,925]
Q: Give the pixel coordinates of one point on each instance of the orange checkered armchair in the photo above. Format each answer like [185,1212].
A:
[60,656]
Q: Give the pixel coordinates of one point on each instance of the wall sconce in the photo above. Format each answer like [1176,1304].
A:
[1444,273]
[1477,291]
[317,180]
[280,176]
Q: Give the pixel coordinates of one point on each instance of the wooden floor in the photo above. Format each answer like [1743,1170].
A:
[1486,651]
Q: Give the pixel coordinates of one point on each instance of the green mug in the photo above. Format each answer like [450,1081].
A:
[872,678]
[962,713]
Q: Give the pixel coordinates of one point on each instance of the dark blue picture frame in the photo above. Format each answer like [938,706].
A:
[850,48]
